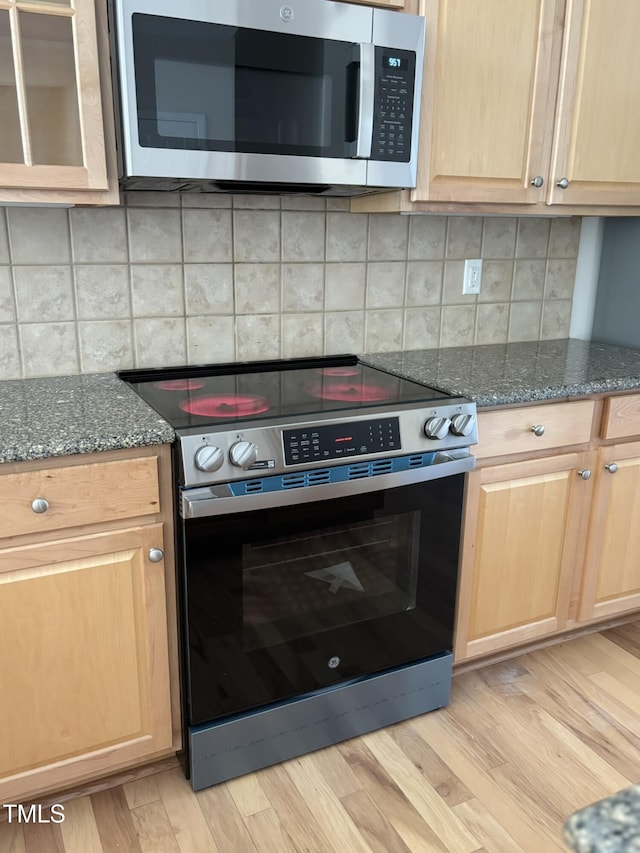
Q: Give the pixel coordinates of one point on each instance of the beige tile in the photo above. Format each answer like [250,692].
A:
[388,237]
[533,237]
[303,236]
[207,236]
[302,202]
[464,237]
[564,238]
[7,311]
[497,281]
[302,287]
[151,198]
[345,286]
[208,289]
[257,288]
[105,345]
[157,290]
[427,237]
[344,331]
[528,280]
[99,235]
[160,342]
[338,204]
[258,336]
[256,202]
[210,339]
[43,293]
[49,349]
[384,330]
[385,284]
[38,235]
[424,283]
[102,291]
[9,359]
[422,328]
[561,276]
[4,240]
[347,236]
[458,325]
[154,236]
[200,200]
[492,323]
[499,237]
[302,335]
[452,285]
[256,236]
[556,320]
[524,321]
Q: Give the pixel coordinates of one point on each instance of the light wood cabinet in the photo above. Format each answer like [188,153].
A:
[57,142]
[527,107]
[87,620]
[522,540]
[551,540]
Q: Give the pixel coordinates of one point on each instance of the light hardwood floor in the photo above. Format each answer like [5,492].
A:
[522,745]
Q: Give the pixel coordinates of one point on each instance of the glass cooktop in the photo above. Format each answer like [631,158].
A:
[193,396]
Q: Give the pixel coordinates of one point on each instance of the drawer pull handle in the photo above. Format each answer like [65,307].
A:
[40,505]
[611,467]
[537,429]
[585,474]
[155,555]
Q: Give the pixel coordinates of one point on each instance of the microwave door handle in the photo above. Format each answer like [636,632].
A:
[366,100]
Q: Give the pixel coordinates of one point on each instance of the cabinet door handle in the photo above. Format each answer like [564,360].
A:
[563,183]
[156,555]
[585,474]
[538,429]
[40,505]
[538,181]
[611,467]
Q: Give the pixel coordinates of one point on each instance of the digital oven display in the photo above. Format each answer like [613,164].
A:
[337,441]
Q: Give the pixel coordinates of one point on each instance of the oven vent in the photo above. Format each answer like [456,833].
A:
[415,461]
[252,486]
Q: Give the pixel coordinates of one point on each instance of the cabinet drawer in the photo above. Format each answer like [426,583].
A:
[78,495]
[512,430]
[621,416]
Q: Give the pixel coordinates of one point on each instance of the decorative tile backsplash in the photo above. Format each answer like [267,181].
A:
[167,279]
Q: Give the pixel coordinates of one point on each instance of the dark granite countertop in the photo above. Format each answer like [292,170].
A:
[611,825]
[60,416]
[499,374]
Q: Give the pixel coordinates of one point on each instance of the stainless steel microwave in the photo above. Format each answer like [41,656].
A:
[256,95]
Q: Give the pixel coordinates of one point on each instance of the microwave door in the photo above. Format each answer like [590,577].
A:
[366,101]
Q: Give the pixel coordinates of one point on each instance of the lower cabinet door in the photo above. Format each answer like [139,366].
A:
[523,533]
[84,668]
[612,575]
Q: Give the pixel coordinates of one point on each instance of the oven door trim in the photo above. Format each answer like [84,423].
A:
[218,500]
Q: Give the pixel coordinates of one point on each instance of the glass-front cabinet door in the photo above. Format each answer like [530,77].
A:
[52,135]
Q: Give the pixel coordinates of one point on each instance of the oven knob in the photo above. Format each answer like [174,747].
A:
[437,427]
[209,458]
[243,454]
[463,424]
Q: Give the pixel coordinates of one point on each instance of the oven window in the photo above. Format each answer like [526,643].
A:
[212,87]
[301,585]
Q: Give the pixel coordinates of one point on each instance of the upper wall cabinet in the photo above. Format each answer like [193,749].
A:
[52,145]
[529,106]
[488,93]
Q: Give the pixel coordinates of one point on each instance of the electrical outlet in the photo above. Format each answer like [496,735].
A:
[472,276]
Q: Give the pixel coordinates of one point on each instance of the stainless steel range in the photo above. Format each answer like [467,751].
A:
[319,507]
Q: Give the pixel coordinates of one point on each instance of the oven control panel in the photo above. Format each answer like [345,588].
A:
[317,443]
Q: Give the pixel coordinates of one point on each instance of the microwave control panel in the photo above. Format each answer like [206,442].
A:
[393,113]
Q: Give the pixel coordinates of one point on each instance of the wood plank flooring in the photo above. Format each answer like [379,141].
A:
[522,745]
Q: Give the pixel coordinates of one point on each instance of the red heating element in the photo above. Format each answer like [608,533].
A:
[226,405]
[359,392]
[179,384]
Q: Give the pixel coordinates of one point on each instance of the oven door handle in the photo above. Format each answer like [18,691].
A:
[219,500]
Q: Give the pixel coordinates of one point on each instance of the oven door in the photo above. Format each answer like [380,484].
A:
[289,599]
